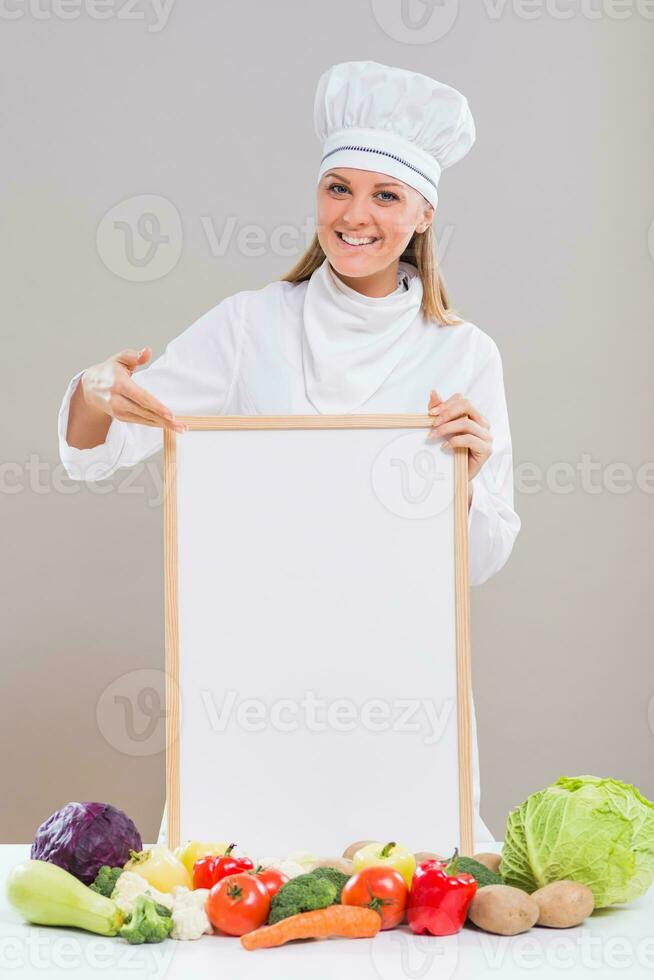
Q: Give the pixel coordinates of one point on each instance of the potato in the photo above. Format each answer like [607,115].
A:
[503,910]
[350,851]
[421,856]
[341,864]
[490,861]
[563,904]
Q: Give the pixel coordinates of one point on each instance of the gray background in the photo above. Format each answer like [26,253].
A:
[544,231]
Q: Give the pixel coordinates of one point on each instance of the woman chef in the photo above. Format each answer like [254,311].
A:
[362,322]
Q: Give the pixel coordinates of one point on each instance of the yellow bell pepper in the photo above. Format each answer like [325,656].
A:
[193,850]
[390,855]
[160,868]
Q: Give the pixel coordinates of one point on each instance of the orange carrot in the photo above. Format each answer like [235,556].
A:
[350,921]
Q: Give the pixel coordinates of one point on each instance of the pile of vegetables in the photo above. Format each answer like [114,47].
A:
[582,843]
[87,870]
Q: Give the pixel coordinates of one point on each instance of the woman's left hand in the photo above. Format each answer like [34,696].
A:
[462,425]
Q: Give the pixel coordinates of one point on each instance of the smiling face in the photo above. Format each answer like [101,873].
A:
[366,220]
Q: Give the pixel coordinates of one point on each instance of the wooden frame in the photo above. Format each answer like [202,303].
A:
[463,658]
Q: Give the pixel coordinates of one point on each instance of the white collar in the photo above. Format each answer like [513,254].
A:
[351,342]
[403,280]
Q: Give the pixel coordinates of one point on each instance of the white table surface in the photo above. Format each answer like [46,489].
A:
[611,943]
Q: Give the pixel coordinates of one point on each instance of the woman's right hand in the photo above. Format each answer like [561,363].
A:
[108,387]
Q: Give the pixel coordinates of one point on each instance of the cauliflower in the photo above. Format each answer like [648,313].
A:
[305,858]
[128,888]
[189,916]
[287,866]
[187,907]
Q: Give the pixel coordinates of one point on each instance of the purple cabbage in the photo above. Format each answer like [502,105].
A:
[81,837]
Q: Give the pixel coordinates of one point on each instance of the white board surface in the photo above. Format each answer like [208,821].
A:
[317,648]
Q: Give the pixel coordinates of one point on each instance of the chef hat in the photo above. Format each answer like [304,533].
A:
[391,121]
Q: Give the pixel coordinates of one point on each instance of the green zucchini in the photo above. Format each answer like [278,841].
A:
[49,896]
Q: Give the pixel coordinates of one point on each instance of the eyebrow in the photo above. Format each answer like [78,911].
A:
[383,183]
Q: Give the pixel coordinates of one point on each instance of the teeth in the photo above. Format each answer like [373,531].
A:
[356,241]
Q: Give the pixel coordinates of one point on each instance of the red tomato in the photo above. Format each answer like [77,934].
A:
[380,888]
[238,904]
[272,879]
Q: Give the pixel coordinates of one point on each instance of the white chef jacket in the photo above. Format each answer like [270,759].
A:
[244,357]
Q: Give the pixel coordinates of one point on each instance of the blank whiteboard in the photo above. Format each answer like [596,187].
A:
[316,634]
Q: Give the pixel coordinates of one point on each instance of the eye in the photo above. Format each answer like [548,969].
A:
[332,186]
[394,197]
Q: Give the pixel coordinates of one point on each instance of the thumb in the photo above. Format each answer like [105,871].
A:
[434,399]
[132,358]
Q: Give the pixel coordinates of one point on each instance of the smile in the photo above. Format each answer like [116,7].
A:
[353,242]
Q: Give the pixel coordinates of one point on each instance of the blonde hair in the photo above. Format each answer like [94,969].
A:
[420,252]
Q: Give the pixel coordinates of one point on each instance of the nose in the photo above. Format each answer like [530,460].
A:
[356,212]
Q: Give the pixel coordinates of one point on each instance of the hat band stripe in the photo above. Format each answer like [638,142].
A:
[371,149]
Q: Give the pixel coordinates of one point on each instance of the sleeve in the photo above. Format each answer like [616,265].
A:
[194,376]
[493,524]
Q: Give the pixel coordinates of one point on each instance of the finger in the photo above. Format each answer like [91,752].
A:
[456,407]
[141,420]
[124,405]
[434,399]
[461,406]
[132,358]
[475,445]
[143,398]
[463,424]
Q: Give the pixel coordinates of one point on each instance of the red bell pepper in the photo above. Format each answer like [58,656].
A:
[228,864]
[203,871]
[209,870]
[440,897]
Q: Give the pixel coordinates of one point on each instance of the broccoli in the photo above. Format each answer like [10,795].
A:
[105,880]
[336,877]
[148,923]
[479,871]
[301,894]
[161,910]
